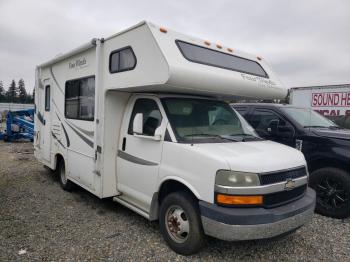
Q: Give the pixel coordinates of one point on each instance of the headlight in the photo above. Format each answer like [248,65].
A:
[236,179]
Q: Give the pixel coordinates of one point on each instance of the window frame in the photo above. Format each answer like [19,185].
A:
[218,66]
[131,117]
[65,98]
[118,51]
[271,110]
[47,102]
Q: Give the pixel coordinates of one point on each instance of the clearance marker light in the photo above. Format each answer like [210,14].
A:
[230,50]
[163,30]
[259,57]
[219,46]
[207,43]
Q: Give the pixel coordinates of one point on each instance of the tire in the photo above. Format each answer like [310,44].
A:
[62,177]
[179,211]
[332,186]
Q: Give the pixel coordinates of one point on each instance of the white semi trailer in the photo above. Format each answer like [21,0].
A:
[136,117]
[331,101]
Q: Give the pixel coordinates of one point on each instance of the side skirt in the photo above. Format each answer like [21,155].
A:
[131,206]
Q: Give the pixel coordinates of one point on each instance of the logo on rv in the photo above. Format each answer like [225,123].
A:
[78,63]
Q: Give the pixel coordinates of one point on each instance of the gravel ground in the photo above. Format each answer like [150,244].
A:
[39,221]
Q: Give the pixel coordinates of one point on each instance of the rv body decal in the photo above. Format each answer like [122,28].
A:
[135,159]
[86,140]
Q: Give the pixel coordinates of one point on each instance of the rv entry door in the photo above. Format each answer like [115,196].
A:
[44,116]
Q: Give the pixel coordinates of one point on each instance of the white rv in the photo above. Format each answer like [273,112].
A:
[140,117]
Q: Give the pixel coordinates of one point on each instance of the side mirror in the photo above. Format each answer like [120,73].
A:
[273,127]
[137,125]
[158,134]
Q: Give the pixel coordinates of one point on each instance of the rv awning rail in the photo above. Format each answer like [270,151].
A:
[77,50]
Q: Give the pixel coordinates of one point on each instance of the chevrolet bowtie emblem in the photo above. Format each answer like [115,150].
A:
[290,184]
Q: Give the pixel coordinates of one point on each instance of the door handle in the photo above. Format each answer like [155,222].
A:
[124,143]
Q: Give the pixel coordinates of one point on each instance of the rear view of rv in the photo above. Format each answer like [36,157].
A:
[140,116]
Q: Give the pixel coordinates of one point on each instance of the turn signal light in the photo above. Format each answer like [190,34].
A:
[239,200]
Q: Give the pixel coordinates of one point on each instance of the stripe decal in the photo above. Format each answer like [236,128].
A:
[135,159]
[86,132]
[54,136]
[54,79]
[41,118]
[65,133]
[86,140]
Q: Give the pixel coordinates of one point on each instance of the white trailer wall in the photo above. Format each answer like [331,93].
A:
[327,100]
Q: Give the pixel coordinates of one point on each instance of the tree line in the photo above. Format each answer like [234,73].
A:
[15,93]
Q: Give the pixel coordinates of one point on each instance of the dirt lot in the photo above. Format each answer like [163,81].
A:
[39,221]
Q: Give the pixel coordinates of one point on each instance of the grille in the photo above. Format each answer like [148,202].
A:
[271,178]
[280,198]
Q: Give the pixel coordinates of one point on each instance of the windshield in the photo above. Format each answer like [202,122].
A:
[308,117]
[202,120]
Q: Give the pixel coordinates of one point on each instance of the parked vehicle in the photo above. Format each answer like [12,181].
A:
[135,117]
[19,125]
[332,101]
[326,148]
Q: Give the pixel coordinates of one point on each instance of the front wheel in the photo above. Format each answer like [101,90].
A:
[332,186]
[180,223]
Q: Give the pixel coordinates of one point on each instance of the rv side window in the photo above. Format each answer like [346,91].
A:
[206,56]
[122,60]
[151,116]
[80,99]
[47,98]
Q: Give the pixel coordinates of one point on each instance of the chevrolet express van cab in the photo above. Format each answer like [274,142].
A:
[140,117]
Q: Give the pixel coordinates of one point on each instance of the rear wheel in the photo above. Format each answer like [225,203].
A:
[332,186]
[180,223]
[62,176]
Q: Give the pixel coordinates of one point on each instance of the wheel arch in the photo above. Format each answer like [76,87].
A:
[318,163]
[167,186]
[58,158]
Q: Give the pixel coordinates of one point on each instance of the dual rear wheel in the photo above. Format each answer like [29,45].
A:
[62,177]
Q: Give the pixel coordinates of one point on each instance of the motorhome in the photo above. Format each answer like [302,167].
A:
[140,116]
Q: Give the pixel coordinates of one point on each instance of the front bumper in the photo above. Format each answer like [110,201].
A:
[256,223]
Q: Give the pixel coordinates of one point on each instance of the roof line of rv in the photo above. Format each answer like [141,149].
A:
[321,87]
[87,46]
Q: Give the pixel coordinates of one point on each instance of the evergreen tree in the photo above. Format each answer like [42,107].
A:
[2,92]
[22,93]
[12,92]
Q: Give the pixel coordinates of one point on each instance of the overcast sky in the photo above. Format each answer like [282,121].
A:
[306,42]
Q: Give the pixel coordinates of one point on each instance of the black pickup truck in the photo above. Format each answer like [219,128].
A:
[326,148]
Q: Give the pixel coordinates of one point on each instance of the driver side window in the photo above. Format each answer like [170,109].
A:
[152,117]
[262,121]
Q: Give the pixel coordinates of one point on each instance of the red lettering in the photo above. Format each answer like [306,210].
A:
[314,100]
[343,99]
[336,99]
[332,113]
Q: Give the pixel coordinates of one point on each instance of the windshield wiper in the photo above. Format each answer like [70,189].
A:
[215,136]
[315,126]
[248,135]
